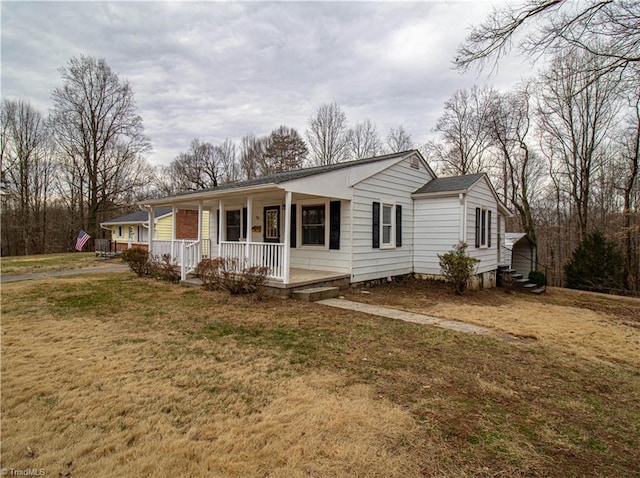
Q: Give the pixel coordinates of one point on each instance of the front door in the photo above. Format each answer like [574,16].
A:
[272,224]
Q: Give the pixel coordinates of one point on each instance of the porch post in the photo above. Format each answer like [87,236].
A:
[287,237]
[220,214]
[174,222]
[151,228]
[247,253]
[200,248]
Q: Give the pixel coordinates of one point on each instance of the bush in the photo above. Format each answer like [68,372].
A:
[230,275]
[163,268]
[594,265]
[138,260]
[458,267]
[538,277]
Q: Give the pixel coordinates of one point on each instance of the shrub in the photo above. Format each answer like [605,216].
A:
[230,275]
[458,267]
[538,277]
[594,265]
[163,268]
[138,260]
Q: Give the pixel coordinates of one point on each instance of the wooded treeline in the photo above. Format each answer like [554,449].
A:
[562,148]
[87,161]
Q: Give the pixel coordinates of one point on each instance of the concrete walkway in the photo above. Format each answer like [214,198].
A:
[5,278]
[406,316]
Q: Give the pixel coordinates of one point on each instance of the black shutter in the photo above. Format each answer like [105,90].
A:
[334,225]
[244,222]
[477,227]
[376,226]
[398,225]
[293,233]
[218,226]
[489,228]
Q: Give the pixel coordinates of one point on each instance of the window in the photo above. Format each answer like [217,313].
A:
[233,225]
[387,224]
[483,227]
[313,225]
[119,231]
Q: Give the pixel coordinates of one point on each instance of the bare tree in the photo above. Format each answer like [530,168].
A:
[97,128]
[606,29]
[327,135]
[27,171]
[521,168]
[629,150]
[363,140]
[464,136]
[251,153]
[284,150]
[399,140]
[575,113]
[228,160]
[198,168]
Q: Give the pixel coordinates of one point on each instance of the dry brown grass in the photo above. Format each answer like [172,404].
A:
[118,376]
[51,262]
[590,325]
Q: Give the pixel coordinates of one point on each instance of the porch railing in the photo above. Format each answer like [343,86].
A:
[257,254]
[187,254]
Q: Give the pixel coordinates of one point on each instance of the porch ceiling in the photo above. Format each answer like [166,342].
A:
[237,198]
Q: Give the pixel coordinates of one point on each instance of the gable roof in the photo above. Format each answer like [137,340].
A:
[138,216]
[285,176]
[451,184]
[458,184]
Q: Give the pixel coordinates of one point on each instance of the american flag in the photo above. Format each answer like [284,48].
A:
[83,237]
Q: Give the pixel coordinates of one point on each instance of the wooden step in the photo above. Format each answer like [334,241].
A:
[313,294]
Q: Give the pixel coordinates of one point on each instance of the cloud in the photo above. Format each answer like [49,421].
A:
[221,70]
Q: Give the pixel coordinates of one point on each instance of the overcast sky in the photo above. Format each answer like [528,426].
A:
[220,70]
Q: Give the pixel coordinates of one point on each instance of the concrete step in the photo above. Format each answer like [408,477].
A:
[522,281]
[517,276]
[313,294]
[191,282]
[530,285]
[539,290]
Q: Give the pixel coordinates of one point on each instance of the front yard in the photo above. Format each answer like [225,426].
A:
[118,376]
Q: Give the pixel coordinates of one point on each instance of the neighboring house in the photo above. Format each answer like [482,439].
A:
[362,220]
[132,230]
[520,252]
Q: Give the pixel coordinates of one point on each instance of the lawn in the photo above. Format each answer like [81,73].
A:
[117,376]
[49,262]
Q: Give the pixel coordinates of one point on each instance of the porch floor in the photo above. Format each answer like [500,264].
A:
[303,277]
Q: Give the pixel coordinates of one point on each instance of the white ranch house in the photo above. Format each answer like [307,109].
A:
[362,220]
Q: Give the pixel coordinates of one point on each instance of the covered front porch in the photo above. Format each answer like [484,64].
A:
[295,236]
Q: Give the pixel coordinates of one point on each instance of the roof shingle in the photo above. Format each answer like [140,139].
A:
[453,183]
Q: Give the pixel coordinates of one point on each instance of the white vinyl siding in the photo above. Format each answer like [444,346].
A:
[394,184]
[436,231]
[480,196]
[323,258]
